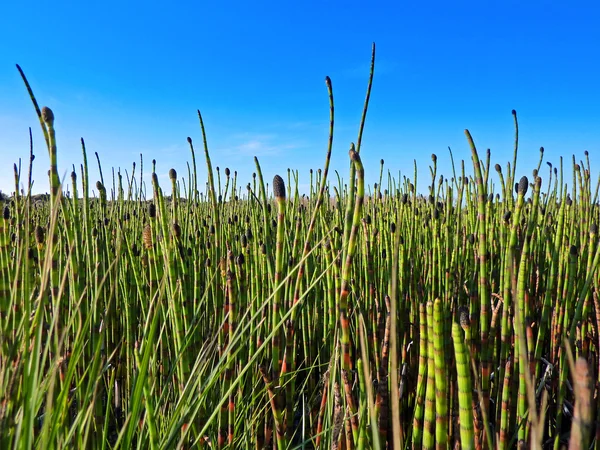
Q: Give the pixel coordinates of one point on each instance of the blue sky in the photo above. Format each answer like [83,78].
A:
[129,76]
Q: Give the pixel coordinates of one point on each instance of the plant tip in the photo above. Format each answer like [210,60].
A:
[523,185]
[152,210]
[463,317]
[278,187]
[48,115]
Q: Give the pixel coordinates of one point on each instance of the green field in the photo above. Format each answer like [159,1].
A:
[244,314]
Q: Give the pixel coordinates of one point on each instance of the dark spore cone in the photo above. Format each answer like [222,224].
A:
[278,187]
[523,185]
[176,230]
[6,213]
[39,235]
[463,317]
[172,174]
[354,156]
[152,210]
[48,115]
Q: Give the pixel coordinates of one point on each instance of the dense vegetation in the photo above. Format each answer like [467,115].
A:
[257,317]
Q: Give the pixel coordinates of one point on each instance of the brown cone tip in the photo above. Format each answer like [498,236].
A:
[278,187]
[47,115]
[39,234]
[523,185]
[463,317]
[172,174]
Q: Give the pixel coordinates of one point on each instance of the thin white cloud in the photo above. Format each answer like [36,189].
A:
[259,145]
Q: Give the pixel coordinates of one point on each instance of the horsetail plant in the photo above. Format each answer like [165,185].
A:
[333,315]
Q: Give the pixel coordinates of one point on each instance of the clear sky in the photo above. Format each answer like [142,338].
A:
[128,77]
